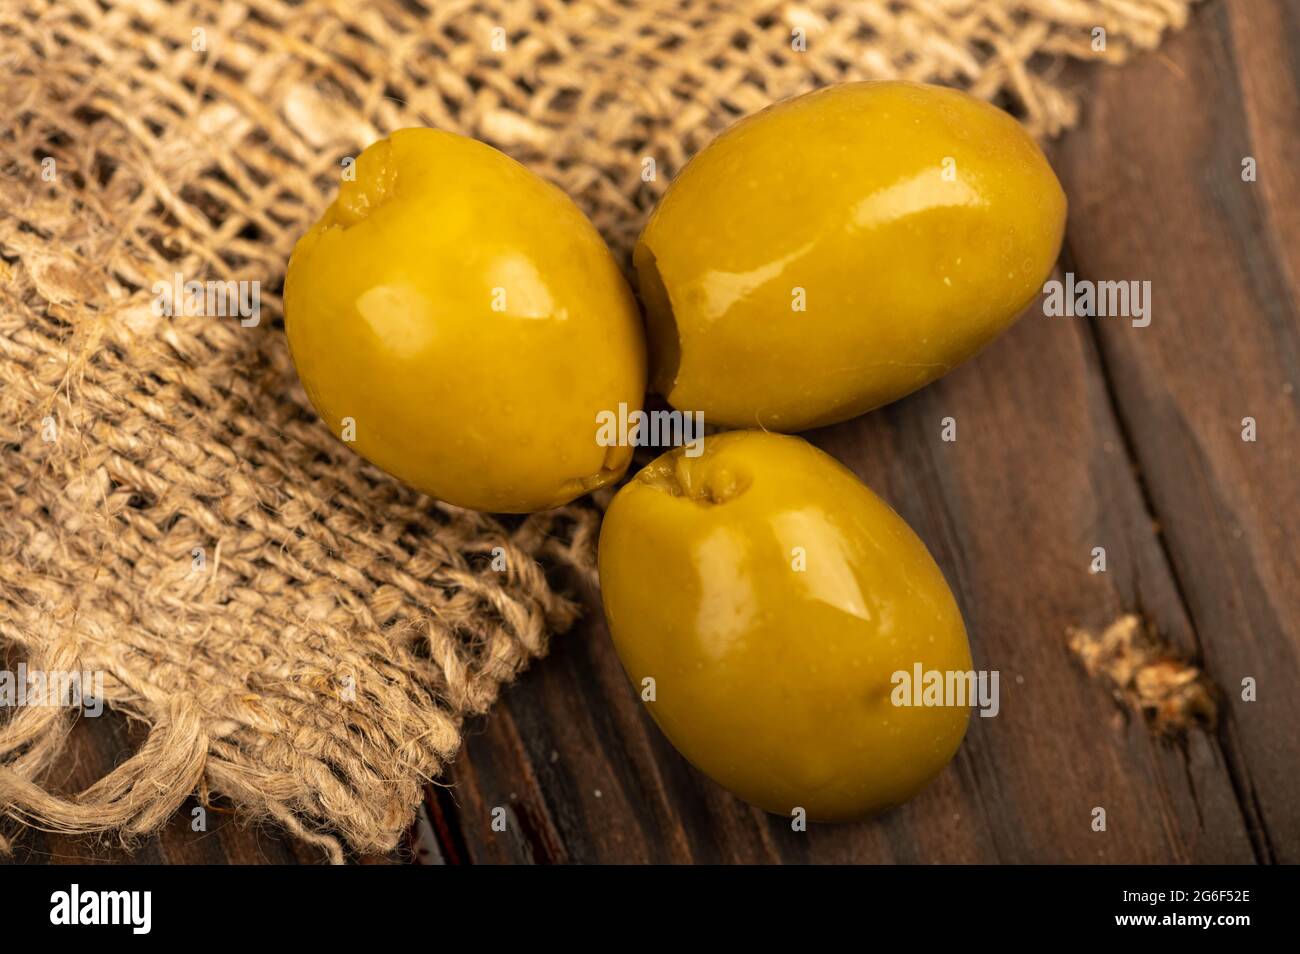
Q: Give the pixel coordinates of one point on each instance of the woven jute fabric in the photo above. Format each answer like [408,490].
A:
[299,632]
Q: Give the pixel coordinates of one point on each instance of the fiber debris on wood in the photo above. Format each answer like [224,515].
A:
[1146,676]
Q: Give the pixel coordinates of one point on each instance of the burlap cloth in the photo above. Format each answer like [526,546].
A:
[202,138]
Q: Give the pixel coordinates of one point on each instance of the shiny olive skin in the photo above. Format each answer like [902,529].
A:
[776,680]
[470,321]
[839,250]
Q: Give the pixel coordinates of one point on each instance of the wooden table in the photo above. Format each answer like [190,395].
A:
[1072,434]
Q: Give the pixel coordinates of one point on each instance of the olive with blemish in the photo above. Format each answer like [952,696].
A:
[763,602]
[462,324]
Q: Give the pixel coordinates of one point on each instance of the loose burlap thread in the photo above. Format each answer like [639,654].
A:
[299,632]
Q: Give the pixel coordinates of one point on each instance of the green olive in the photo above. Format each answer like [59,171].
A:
[461,322]
[763,602]
[839,250]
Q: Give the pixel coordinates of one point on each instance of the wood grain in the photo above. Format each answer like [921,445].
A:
[1223,257]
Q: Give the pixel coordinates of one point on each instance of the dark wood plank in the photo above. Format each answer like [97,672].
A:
[1223,255]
